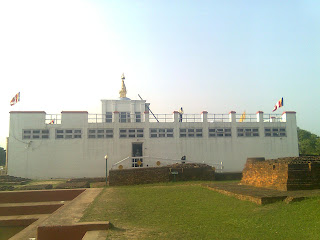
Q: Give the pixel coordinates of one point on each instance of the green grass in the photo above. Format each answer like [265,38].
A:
[190,211]
[8,232]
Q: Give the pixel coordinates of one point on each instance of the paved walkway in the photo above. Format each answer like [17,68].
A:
[260,195]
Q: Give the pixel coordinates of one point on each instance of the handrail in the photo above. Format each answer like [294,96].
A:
[120,161]
[168,159]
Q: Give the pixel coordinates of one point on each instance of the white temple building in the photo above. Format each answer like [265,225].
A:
[74,143]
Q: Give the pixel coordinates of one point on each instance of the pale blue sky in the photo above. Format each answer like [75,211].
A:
[202,55]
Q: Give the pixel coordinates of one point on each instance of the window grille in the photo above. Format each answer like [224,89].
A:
[137,162]
[138,117]
[190,132]
[131,132]
[248,132]
[68,133]
[108,117]
[35,134]
[275,132]
[124,117]
[161,132]
[100,133]
[219,132]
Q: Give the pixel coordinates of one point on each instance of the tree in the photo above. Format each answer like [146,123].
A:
[2,156]
[309,143]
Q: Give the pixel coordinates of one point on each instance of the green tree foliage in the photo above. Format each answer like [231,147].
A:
[309,143]
[2,156]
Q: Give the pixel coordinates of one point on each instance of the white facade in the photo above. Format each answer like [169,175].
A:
[73,144]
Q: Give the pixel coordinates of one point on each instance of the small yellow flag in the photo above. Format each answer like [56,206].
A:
[243,117]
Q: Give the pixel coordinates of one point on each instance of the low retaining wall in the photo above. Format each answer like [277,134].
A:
[296,173]
[17,222]
[70,232]
[28,210]
[228,176]
[39,196]
[177,172]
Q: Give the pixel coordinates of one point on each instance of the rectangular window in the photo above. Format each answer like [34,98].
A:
[68,133]
[138,117]
[219,132]
[161,132]
[131,133]
[190,132]
[137,162]
[124,117]
[248,132]
[35,134]
[108,117]
[275,132]
[100,133]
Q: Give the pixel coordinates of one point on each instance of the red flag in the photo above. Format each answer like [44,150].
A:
[15,99]
[278,105]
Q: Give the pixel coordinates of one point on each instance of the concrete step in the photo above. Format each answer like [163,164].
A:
[95,235]
[21,220]
[31,203]
[8,209]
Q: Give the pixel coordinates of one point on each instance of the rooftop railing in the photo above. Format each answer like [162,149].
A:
[53,119]
[98,118]
[161,118]
[272,117]
[191,118]
[170,118]
[218,118]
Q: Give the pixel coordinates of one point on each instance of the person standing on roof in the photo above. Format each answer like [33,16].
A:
[180,114]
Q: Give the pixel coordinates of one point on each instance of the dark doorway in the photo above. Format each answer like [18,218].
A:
[137,159]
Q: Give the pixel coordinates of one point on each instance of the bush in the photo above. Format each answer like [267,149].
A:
[71,185]
[37,187]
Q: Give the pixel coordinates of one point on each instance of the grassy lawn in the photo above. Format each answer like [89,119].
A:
[190,211]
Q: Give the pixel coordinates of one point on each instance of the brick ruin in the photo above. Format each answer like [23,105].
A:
[175,172]
[291,173]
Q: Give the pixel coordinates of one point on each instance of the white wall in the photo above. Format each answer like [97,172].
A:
[67,158]
[125,105]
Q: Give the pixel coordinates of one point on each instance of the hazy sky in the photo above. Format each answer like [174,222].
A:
[202,55]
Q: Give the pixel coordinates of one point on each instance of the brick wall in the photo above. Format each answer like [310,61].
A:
[283,174]
[185,172]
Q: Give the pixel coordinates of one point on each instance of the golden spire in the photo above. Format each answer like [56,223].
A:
[123,91]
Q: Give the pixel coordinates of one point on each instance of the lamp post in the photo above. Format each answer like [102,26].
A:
[106,157]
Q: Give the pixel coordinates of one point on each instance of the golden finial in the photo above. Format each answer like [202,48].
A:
[123,91]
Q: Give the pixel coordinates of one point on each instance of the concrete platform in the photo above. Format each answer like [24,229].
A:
[64,223]
[261,195]
[68,213]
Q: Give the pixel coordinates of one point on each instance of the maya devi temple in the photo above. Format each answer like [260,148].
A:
[73,144]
